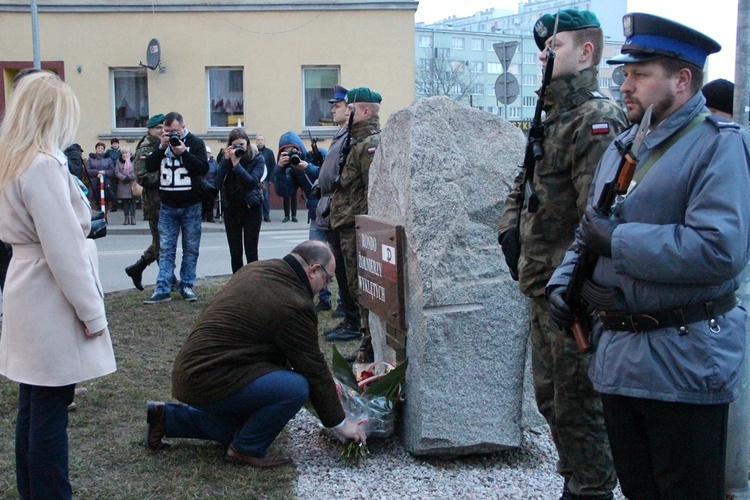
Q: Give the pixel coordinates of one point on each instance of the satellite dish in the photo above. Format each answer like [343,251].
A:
[153,55]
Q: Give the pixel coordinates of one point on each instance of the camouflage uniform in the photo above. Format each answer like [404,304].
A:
[579,125]
[350,198]
[150,197]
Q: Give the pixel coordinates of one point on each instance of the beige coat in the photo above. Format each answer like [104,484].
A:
[52,288]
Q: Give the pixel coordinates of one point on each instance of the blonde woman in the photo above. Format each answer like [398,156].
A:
[54,325]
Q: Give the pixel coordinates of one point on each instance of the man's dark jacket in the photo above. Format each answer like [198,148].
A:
[263,319]
[174,190]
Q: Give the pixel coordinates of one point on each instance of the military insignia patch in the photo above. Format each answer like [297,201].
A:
[541,29]
[371,150]
[600,128]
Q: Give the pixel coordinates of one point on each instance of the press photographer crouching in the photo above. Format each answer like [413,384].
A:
[239,178]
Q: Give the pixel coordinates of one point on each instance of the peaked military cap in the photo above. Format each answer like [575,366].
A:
[363,94]
[570,20]
[649,37]
[339,94]
[155,120]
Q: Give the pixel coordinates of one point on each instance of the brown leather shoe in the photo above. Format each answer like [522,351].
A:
[270,460]
[156,426]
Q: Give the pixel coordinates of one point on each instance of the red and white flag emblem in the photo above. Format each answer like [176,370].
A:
[600,128]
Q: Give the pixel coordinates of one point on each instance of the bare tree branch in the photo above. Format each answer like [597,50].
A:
[437,74]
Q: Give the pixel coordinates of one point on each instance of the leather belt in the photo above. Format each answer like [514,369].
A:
[680,317]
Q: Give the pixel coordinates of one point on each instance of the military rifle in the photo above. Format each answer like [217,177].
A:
[345,149]
[534,147]
[315,156]
[342,158]
[584,268]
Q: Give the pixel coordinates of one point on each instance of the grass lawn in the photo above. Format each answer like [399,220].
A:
[108,457]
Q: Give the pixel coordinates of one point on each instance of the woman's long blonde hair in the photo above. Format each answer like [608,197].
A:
[42,115]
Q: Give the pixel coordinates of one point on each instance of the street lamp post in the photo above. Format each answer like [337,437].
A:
[35,35]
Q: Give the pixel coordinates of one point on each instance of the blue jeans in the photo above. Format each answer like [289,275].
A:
[250,419]
[267,199]
[42,441]
[320,234]
[171,222]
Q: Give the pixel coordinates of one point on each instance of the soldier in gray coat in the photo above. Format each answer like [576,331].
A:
[670,336]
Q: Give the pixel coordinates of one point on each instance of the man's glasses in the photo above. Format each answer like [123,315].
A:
[330,278]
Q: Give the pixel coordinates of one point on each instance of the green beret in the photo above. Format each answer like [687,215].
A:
[363,94]
[155,120]
[570,20]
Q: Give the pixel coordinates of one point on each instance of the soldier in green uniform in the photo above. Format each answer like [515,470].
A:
[150,197]
[579,124]
[350,197]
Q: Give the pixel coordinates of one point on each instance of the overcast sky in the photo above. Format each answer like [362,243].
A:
[717,19]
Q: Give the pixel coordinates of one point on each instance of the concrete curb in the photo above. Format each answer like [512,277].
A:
[115,226]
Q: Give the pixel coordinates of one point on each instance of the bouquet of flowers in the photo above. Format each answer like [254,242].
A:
[369,398]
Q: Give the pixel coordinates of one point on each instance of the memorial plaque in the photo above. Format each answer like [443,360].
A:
[380,269]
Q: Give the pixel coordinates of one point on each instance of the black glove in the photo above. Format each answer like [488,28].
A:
[596,231]
[559,311]
[511,249]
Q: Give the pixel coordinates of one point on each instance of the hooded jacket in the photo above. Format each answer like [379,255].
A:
[289,179]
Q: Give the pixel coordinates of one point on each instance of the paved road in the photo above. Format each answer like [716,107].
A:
[117,251]
[124,244]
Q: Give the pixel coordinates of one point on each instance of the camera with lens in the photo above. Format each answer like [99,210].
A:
[239,152]
[294,156]
[174,139]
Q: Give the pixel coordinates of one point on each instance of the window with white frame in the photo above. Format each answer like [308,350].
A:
[529,101]
[529,80]
[425,41]
[478,89]
[490,90]
[457,43]
[458,66]
[318,83]
[226,97]
[605,82]
[457,88]
[130,93]
[442,53]
[477,67]
[529,58]
[477,44]
[491,109]
[514,112]
[494,68]
[514,69]
[425,63]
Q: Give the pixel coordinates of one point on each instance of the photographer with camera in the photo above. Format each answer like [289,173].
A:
[240,179]
[297,170]
[181,160]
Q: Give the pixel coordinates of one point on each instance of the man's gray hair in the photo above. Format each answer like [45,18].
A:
[314,252]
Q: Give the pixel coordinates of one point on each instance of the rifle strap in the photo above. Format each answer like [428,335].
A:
[662,148]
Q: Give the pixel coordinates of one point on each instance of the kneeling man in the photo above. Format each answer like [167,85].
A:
[232,370]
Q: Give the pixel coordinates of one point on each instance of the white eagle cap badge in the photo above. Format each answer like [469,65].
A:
[541,29]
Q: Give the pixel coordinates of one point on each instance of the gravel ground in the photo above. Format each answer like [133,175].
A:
[392,473]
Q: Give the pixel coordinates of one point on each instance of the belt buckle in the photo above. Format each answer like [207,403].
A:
[646,317]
